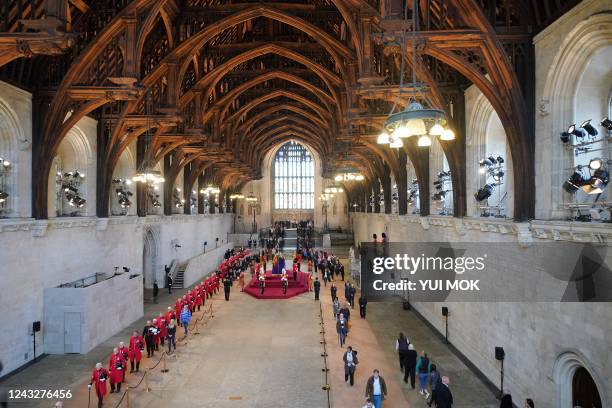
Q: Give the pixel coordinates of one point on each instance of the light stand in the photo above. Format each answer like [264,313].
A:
[500,355]
[445,314]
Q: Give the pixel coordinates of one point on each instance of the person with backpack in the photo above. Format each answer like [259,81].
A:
[401,346]
[423,367]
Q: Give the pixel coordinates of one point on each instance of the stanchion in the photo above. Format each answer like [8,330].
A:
[146,378]
[164,364]
[197,329]
[127,395]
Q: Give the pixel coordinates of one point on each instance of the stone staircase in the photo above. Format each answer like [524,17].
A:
[179,277]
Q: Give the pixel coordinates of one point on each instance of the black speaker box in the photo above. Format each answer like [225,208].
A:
[444,311]
[36,327]
[500,354]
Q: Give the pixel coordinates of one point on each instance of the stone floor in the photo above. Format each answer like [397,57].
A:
[267,353]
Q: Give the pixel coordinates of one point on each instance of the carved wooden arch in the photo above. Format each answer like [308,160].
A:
[253,135]
[209,80]
[201,166]
[257,153]
[222,105]
[312,138]
[155,14]
[286,106]
[292,111]
[334,47]
[255,140]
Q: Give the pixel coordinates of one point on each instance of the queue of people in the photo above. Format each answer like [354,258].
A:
[163,328]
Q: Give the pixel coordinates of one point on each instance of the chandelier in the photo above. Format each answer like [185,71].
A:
[326,197]
[236,196]
[415,120]
[210,190]
[333,190]
[349,176]
[251,198]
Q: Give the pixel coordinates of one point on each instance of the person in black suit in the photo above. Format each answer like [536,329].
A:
[442,395]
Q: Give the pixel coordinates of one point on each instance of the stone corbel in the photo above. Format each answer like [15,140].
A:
[459,227]
[424,223]
[524,234]
[102,224]
[39,229]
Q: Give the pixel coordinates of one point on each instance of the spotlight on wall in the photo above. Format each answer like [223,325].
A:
[606,124]
[595,164]
[566,137]
[3,196]
[484,192]
[576,131]
[586,125]
[573,183]
[597,183]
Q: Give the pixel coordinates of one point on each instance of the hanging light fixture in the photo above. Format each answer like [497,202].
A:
[415,120]
[146,172]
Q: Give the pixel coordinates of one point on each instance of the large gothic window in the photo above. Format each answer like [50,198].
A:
[293,178]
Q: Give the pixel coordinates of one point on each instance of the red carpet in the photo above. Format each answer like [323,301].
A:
[274,289]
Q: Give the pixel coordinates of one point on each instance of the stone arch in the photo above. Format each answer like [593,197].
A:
[74,153]
[11,137]
[558,103]
[563,371]
[486,135]
[125,169]
[150,256]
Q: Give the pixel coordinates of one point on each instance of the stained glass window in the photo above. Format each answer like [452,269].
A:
[293,178]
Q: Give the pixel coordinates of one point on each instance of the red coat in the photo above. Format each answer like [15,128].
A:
[125,352]
[136,346]
[98,378]
[169,316]
[116,366]
[161,326]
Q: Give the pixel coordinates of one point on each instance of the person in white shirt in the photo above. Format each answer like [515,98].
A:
[376,389]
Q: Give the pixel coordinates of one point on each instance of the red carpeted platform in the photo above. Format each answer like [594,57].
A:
[274,289]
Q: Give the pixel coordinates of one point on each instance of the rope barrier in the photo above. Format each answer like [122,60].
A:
[325,369]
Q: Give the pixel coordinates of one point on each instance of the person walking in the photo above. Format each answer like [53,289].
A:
[334,291]
[227,286]
[410,365]
[185,318]
[148,333]
[363,303]
[376,389]
[336,308]
[155,291]
[350,364]
[423,366]
[442,395]
[352,293]
[171,335]
[317,288]
[434,380]
[99,375]
[341,329]
[401,347]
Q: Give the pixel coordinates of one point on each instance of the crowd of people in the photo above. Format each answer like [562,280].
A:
[162,328]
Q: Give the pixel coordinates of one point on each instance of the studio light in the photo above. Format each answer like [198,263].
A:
[5,163]
[574,182]
[484,193]
[3,196]
[566,137]
[595,164]
[586,125]
[578,132]
[606,124]
[597,183]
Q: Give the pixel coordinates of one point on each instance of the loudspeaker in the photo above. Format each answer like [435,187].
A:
[36,327]
[444,311]
[500,354]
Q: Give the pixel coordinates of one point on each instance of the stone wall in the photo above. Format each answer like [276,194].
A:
[36,255]
[534,335]
[105,308]
[202,265]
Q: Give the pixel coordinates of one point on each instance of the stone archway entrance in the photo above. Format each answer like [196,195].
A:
[150,258]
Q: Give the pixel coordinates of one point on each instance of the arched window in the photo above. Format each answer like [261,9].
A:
[293,178]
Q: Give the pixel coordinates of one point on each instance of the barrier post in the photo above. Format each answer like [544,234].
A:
[146,379]
[127,395]
[164,364]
